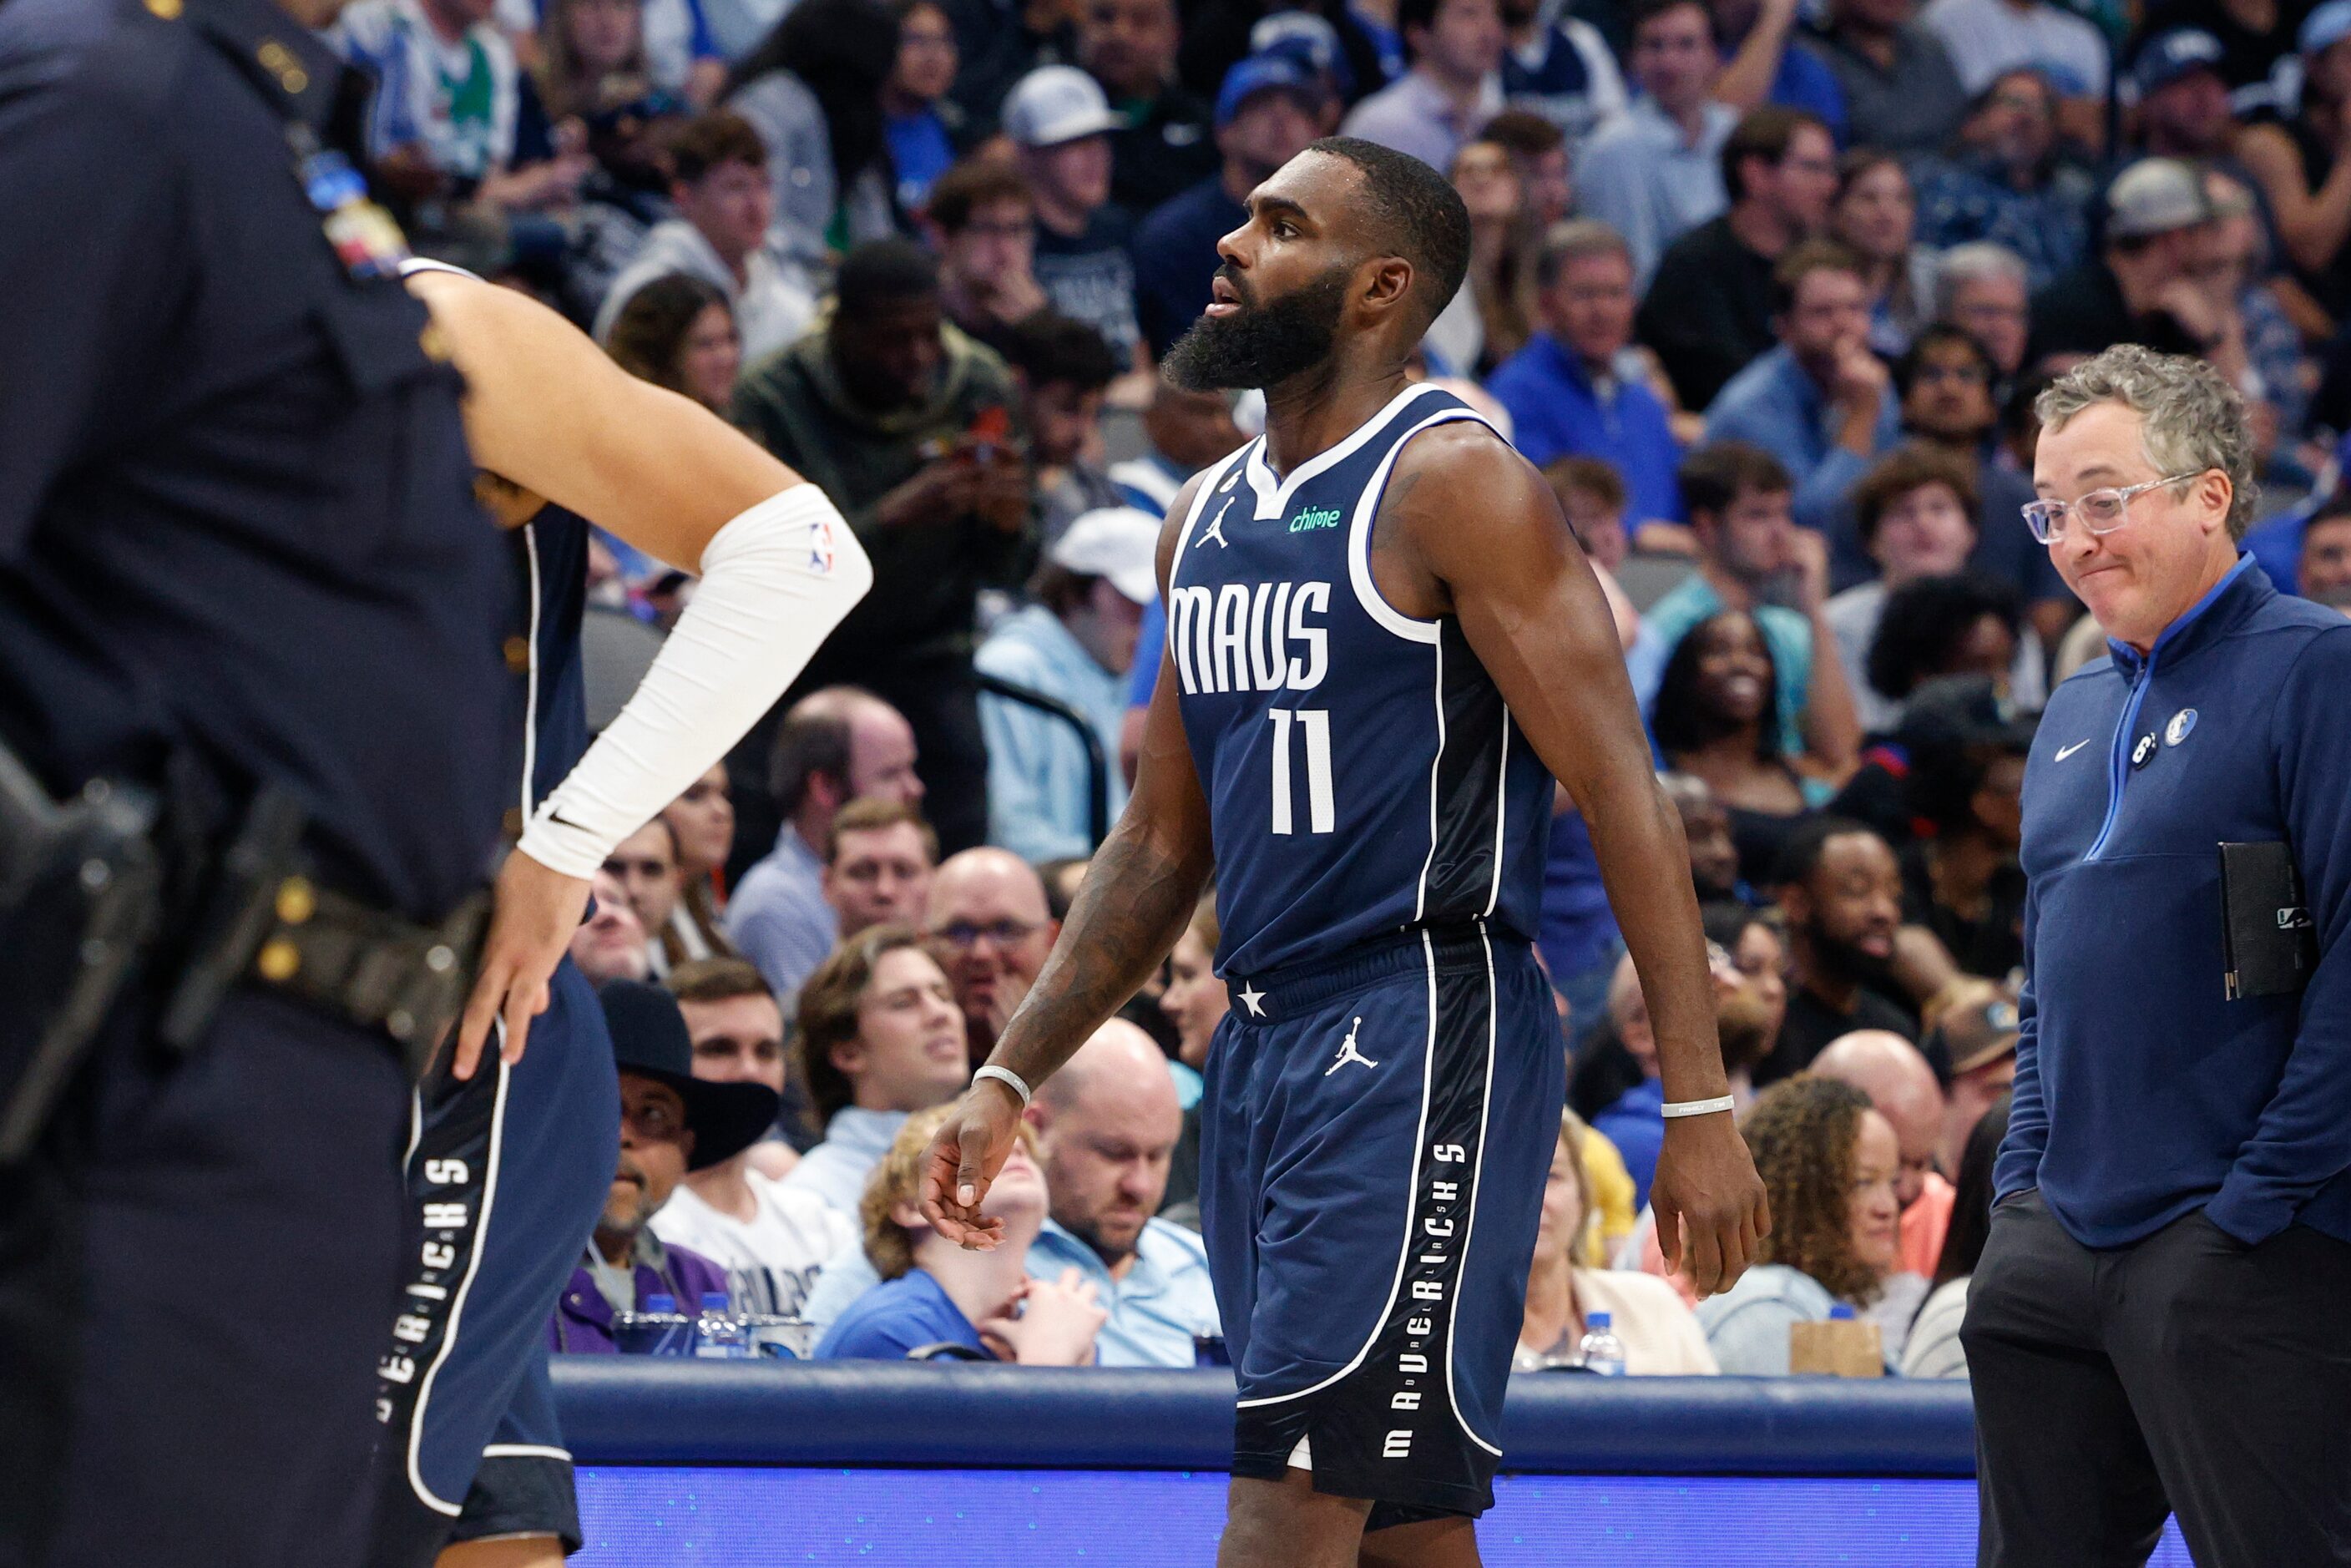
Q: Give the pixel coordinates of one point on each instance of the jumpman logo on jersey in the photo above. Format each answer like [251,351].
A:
[1347,1052]
[1217,528]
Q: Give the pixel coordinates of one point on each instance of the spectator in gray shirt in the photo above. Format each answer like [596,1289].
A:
[1653,172]
[1454,86]
[1902,93]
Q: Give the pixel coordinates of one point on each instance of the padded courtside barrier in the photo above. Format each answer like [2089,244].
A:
[628,1410]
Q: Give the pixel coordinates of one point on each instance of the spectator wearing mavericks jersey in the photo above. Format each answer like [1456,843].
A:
[1059,124]
[1559,66]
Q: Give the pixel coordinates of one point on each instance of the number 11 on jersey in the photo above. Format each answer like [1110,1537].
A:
[1314,725]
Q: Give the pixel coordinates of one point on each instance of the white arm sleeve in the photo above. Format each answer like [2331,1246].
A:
[776,580]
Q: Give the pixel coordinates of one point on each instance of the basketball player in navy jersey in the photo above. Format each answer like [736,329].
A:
[515,1148]
[1383,643]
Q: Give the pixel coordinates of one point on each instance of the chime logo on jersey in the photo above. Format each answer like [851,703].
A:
[1308,518]
[1243,638]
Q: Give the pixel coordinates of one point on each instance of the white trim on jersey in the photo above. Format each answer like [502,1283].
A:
[1435,762]
[530,698]
[425,1494]
[1502,815]
[1359,535]
[1273,497]
[1469,1226]
[526,1451]
[1411,1203]
[410,267]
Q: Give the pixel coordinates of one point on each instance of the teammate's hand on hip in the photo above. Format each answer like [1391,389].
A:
[1055,1325]
[1712,1214]
[963,1158]
[532,919]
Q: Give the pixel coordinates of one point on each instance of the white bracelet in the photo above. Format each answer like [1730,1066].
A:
[1007,1077]
[1688,1107]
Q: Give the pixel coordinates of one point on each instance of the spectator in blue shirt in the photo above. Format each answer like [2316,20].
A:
[1567,391]
[1652,171]
[1271,105]
[1107,1125]
[1074,644]
[1821,402]
[835,746]
[922,124]
[937,1299]
[2010,185]
[1763,63]
[2324,567]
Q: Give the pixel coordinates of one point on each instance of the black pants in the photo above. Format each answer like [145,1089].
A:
[2186,1372]
[194,1277]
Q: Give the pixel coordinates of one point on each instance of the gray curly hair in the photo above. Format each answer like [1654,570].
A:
[2192,419]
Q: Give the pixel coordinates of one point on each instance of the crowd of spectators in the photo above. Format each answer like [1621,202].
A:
[1765,287]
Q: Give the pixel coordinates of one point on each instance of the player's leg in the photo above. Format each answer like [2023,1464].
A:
[514,1551]
[2235,1363]
[506,1176]
[1448,1543]
[2062,1475]
[1287,1523]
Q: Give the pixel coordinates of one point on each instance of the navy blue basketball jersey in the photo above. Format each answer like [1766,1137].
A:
[551,574]
[1363,773]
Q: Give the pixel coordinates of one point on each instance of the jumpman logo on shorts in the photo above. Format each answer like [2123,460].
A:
[1347,1052]
[1215,529]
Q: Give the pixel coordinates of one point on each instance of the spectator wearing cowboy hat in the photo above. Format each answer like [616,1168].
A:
[671,1123]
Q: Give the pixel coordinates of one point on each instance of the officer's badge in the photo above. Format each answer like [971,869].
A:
[366,240]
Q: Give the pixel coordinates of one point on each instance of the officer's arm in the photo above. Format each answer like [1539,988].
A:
[1145,881]
[546,409]
[1471,530]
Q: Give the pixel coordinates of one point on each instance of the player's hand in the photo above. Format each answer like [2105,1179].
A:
[532,918]
[1055,1322]
[964,1159]
[1712,1214]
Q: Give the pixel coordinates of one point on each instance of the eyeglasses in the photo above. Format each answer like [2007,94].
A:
[2101,512]
[964,934]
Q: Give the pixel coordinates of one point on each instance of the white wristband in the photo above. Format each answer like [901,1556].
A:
[1007,1077]
[1701,1108]
[775,581]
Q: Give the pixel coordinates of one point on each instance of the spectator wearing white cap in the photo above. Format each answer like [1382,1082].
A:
[2146,286]
[2300,162]
[1075,644]
[1059,125]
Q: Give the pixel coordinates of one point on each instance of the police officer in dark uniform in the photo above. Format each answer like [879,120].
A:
[251,717]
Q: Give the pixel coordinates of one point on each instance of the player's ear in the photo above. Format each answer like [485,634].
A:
[1386,283]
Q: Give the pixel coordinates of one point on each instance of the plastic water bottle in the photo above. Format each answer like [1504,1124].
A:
[1604,1352]
[717,1336]
[659,1330]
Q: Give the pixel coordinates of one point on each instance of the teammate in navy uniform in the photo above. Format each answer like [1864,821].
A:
[1382,641]
[239,563]
[514,1151]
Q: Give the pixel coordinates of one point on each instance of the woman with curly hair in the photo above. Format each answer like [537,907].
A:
[1828,1163]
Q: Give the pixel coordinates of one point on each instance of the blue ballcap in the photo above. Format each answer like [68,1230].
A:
[2174,53]
[2324,27]
[1276,71]
[1310,38]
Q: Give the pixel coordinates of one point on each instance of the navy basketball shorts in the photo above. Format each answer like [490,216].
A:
[505,1177]
[1374,1140]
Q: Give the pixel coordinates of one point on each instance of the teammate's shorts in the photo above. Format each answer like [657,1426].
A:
[1374,1140]
[506,1175]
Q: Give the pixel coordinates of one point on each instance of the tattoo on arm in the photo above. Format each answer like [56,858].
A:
[1136,900]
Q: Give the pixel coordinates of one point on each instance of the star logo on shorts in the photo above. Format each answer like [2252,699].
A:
[1253,999]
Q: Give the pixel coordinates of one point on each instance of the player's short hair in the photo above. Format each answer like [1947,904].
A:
[883,272]
[872,815]
[826,1015]
[707,141]
[1414,212]
[1788,274]
[1766,133]
[898,1178]
[1908,467]
[1052,350]
[974,183]
[2192,419]
[716,980]
[1715,475]
[1595,478]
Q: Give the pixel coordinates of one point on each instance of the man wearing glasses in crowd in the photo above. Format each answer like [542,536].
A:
[2156,1322]
[991,929]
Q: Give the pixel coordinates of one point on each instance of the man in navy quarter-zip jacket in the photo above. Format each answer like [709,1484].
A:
[2157,1320]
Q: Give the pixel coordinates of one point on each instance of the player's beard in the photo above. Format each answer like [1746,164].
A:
[1261,346]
